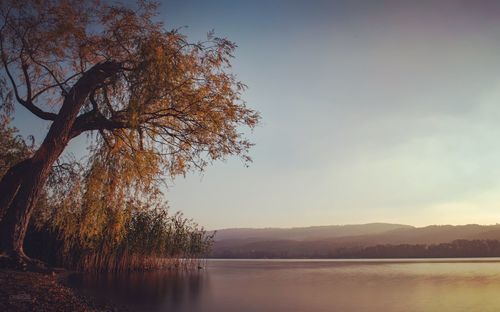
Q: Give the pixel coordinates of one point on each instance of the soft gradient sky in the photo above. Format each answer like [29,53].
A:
[372,111]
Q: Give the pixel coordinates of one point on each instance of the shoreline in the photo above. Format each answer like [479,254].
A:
[28,291]
[369,260]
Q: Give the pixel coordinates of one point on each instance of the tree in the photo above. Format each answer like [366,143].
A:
[150,97]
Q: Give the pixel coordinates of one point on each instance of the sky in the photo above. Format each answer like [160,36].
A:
[372,111]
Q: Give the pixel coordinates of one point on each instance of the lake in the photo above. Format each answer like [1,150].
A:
[307,285]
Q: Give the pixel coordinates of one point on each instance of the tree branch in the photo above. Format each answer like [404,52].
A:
[26,103]
[94,120]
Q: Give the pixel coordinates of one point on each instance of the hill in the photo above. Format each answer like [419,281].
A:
[333,241]
[307,233]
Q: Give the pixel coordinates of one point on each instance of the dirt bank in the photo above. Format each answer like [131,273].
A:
[27,291]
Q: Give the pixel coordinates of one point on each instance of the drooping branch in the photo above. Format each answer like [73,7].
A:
[28,102]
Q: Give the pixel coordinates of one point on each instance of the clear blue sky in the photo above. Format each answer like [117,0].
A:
[372,111]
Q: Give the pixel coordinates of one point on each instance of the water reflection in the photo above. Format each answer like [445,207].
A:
[145,291]
[247,286]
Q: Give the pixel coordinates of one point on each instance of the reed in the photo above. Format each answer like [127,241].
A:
[149,239]
[152,240]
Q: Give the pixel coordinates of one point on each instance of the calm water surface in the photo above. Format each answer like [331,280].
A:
[307,285]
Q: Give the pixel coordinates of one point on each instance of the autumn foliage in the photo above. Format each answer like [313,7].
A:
[154,104]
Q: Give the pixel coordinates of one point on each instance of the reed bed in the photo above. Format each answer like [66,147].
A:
[149,239]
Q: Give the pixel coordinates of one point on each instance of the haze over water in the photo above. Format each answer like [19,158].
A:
[309,285]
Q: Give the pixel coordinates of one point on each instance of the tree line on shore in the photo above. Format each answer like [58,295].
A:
[460,248]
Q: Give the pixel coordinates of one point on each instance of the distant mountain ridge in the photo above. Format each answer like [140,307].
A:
[308,233]
[321,241]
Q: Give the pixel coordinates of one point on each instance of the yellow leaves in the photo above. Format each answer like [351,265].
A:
[174,106]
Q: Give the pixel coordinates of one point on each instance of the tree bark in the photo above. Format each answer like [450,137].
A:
[20,187]
[9,185]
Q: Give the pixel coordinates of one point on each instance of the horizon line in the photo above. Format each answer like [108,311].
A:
[346,224]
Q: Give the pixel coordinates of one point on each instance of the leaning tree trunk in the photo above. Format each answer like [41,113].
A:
[20,187]
[32,175]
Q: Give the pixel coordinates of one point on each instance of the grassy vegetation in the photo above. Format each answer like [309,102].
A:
[150,239]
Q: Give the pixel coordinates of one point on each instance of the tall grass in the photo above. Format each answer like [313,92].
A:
[151,239]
